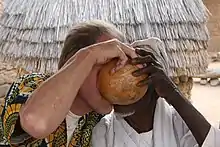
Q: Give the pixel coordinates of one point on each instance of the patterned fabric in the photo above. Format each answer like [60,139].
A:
[17,95]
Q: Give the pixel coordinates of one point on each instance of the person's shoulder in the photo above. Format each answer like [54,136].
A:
[30,80]
[105,122]
[102,128]
[25,85]
[175,115]
[33,77]
[108,118]
[178,122]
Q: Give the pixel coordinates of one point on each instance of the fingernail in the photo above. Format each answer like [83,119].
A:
[139,84]
[113,70]
[140,66]
[116,68]
[135,73]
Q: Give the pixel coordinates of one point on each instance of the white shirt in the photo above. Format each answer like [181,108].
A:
[142,139]
[169,130]
[71,124]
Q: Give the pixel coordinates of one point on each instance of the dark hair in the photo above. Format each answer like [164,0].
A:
[85,34]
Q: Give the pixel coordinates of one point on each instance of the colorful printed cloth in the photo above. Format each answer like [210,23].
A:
[17,95]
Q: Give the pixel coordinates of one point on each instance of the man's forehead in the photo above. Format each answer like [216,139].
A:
[103,38]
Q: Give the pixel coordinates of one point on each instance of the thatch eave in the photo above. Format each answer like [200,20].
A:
[50,35]
[25,49]
[38,29]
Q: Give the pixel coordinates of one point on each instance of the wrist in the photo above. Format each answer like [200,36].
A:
[92,55]
[88,55]
[173,96]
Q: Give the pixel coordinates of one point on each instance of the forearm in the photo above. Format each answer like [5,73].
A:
[198,125]
[49,104]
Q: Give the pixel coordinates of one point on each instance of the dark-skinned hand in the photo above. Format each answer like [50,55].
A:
[165,88]
[156,75]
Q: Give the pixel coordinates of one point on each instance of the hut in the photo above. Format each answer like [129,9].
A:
[1,134]
[32,32]
[1,7]
[213,25]
[7,71]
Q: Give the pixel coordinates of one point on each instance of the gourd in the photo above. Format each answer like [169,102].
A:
[120,87]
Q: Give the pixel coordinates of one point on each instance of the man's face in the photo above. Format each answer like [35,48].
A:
[89,91]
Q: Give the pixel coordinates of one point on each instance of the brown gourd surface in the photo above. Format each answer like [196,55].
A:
[120,87]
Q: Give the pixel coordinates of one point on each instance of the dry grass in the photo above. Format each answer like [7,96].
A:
[33,31]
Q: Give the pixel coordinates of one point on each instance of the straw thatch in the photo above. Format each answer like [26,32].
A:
[33,31]
[1,7]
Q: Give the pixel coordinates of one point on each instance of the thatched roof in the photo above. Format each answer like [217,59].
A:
[1,7]
[33,31]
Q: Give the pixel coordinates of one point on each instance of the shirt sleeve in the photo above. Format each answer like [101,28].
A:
[213,138]
[187,139]
[17,95]
[99,134]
